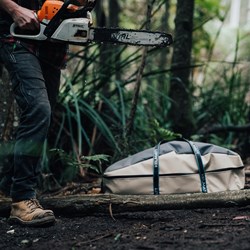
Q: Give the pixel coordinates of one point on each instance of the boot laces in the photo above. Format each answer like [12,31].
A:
[33,204]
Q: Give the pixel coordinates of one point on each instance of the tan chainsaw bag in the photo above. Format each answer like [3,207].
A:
[176,167]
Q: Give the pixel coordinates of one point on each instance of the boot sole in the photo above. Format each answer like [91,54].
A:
[47,221]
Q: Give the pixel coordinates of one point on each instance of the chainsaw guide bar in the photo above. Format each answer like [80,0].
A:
[130,37]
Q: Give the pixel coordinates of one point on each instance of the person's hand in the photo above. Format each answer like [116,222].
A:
[25,19]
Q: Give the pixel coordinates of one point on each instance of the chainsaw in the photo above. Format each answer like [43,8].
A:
[71,22]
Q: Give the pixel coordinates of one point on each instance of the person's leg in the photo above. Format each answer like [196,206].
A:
[32,98]
[52,82]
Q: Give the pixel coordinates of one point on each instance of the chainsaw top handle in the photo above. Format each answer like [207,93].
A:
[63,14]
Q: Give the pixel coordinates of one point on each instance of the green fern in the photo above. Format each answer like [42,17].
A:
[160,133]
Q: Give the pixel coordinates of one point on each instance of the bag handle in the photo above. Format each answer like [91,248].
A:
[198,158]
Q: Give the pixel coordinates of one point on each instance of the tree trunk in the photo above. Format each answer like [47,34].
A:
[107,61]
[163,84]
[114,11]
[110,204]
[181,114]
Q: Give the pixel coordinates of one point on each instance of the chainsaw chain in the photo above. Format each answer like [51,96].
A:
[107,35]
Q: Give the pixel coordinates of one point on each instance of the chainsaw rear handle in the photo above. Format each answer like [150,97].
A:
[40,36]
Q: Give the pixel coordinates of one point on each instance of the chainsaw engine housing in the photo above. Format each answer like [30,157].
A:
[73,30]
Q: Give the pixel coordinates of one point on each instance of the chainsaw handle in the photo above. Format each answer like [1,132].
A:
[40,36]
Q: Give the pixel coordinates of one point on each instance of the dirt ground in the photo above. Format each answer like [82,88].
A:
[224,228]
[217,228]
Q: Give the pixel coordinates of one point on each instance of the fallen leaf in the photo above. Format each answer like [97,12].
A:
[241,218]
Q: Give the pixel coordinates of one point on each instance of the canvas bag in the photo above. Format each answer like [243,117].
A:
[179,166]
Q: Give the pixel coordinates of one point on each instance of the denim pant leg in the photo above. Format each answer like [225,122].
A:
[32,97]
[52,81]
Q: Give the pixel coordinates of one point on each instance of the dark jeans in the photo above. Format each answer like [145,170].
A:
[35,85]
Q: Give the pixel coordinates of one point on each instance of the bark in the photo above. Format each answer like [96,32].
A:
[181,114]
[162,84]
[115,204]
[108,53]
[163,60]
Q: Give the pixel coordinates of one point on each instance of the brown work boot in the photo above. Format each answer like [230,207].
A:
[30,213]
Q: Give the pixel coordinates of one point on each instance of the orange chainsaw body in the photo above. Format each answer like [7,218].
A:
[50,8]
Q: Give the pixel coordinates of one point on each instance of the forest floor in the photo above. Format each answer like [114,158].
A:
[216,228]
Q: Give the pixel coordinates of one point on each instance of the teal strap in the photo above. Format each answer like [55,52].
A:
[198,158]
[200,165]
[156,184]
